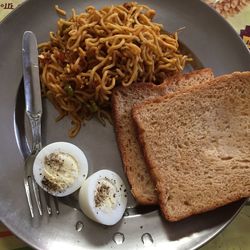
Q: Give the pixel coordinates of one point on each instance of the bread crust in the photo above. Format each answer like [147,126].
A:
[138,195]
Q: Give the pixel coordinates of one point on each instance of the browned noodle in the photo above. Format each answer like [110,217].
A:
[93,52]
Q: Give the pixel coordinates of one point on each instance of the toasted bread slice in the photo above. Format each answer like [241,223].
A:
[197,145]
[123,99]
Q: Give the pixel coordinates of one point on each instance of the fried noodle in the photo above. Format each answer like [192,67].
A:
[95,51]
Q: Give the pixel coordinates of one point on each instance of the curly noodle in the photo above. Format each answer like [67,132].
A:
[95,51]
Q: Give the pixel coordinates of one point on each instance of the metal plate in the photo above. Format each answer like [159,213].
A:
[215,44]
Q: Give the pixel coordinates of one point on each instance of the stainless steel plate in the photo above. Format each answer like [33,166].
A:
[214,43]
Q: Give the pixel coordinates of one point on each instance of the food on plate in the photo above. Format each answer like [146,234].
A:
[103,197]
[123,99]
[93,52]
[196,144]
[60,168]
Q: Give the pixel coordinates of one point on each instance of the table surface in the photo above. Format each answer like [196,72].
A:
[236,235]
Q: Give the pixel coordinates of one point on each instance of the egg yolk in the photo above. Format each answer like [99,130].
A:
[60,171]
[105,196]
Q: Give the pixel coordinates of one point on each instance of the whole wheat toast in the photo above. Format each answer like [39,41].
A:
[197,145]
[123,99]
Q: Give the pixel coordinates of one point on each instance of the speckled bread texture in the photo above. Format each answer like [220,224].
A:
[123,99]
[197,145]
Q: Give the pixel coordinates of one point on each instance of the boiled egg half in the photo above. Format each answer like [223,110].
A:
[103,197]
[60,168]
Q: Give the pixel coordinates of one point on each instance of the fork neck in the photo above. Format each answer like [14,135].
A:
[35,123]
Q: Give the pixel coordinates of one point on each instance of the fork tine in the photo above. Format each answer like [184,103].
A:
[27,191]
[37,196]
[56,205]
[47,198]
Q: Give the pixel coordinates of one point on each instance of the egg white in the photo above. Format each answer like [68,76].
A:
[112,212]
[67,148]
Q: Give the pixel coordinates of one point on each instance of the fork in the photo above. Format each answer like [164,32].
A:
[29,181]
[33,109]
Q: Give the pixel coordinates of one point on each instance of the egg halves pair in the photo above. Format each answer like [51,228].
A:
[61,168]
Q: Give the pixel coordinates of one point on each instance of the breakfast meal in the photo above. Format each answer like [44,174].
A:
[196,144]
[103,197]
[184,138]
[93,52]
[123,99]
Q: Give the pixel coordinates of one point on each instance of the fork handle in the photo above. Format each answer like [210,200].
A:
[35,123]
